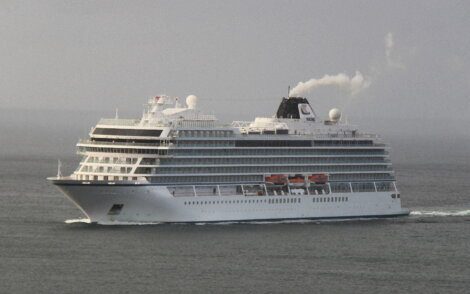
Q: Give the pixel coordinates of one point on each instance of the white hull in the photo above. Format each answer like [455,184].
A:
[148,203]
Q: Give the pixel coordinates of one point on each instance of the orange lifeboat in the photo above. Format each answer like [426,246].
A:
[276,179]
[318,178]
[297,180]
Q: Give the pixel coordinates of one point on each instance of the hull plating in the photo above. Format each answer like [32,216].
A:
[155,204]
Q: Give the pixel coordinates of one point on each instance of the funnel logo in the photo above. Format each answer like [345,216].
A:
[306,112]
[305,109]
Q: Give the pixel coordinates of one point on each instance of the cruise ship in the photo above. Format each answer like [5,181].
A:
[179,165]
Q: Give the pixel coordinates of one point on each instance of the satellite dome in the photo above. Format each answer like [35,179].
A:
[191,101]
[334,114]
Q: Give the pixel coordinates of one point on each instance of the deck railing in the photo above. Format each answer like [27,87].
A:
[258,190]
[90,142]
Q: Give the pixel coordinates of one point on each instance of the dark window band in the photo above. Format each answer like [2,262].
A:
[273,143]
[157,142]
[127,132]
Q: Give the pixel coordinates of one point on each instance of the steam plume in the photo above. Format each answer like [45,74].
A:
[389,44]
[353,85]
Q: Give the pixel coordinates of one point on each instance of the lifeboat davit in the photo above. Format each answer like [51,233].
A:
[318,178]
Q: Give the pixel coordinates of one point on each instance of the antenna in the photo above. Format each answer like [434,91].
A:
[117,113]
[59,166]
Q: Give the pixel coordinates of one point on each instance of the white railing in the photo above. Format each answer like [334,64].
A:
[346,135]
[240,124]
[156,144]
[119,122]
[257,190]
[197,123]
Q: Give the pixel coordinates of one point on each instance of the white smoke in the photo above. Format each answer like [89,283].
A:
[389,45]
[353,85]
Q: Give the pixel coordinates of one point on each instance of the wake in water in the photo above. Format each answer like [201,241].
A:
[115,223]
[299,221]
[441,213]
[223,223]
[78,220]
[419,213]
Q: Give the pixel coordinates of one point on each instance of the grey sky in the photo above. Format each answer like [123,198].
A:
[238,57]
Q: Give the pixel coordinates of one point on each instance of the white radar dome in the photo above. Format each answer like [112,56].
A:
[191,101]
[334,114]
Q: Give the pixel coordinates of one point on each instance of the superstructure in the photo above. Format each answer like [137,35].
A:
[176,164]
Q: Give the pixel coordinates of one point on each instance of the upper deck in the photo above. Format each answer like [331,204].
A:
[165,118]
[172,143]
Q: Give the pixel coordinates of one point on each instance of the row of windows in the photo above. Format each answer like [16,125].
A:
[273,143]
[241,152]
[105,178]
[361,177]
[144,141]
[106,169]
[207,179]
[150,161]
[236,152]
[127,132]
[260,169]
[269,201]
[265,132]
[343,143]
[262,160]
[276,143]
[269,160]
[251,201]
[123,150]
[205,143]
[205,133]
[233,160]
[114,160]
[220,161]
[330,199]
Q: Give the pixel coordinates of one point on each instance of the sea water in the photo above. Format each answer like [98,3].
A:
[47,246]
